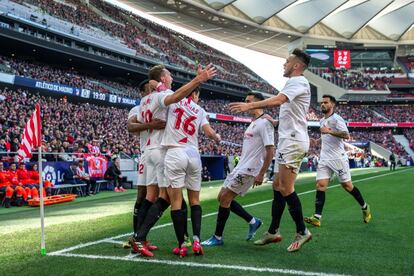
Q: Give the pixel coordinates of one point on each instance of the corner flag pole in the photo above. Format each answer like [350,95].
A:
[42,211]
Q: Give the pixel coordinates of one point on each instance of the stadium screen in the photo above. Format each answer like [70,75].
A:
[330,58]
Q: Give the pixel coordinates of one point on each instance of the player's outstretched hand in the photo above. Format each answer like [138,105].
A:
[271,120]
[199,69]
[238,107]
[258,180]
[157,124]
[207,73]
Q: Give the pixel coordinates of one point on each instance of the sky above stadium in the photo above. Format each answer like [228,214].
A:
[268,67]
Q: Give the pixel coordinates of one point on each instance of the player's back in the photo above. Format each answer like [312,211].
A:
[153,107]
[185,119]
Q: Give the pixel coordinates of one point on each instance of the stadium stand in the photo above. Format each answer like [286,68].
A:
[39,71]
[146,38]
[363,79]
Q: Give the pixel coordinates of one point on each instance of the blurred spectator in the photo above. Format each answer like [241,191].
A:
[113,173]
[206,174]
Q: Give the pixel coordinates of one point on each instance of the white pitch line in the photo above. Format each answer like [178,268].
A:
[113,241]
[194,264]
[82,245]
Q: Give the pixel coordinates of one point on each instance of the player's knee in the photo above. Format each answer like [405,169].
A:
[286,190]
[220,193]
[348,186]
[194,201]
[276,183]
[225,199]
[321,186]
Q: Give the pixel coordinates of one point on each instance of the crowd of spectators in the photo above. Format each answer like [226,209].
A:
[150,39]
[395,113]
[382,137]
[68,128]
[360,79]
[409,134]
[66,76]
[73,129]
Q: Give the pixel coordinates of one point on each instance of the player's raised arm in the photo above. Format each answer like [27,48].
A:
[277,100]
[203,75]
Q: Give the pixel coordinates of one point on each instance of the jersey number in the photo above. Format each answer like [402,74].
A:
[147,116]
[188,125]
[141,169]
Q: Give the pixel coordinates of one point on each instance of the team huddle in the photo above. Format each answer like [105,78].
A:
[168,124]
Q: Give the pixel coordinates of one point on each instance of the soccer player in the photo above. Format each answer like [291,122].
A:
[154,106]
[142,129]
[257,154]
[333,160]
[294,101]
[183,165]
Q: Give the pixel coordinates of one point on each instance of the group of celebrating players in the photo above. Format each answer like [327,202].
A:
[168,124]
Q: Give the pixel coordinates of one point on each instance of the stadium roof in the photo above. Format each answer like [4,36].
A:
[270,25]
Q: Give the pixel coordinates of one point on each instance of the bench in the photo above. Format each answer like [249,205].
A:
[99,182]
[68,188]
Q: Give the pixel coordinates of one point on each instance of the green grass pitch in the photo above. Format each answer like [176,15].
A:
[84,237]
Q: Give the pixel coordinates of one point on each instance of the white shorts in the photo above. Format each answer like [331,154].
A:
[183,168]
[290,153]
[142,171]
[326,168]
[155,167]
[238,182]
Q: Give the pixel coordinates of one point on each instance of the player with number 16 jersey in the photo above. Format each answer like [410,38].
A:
[183,165]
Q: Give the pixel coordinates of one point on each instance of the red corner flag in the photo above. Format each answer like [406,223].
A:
[32,135]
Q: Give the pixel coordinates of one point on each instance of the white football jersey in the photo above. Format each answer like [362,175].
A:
[185,119]
[257,136]
[292,116]
[333,147]
[152,107]
[143,135]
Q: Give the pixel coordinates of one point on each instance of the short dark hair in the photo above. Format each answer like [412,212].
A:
[155,72]
[141,85]
[331,98]
[258,96]
[302,56]
[196,90]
